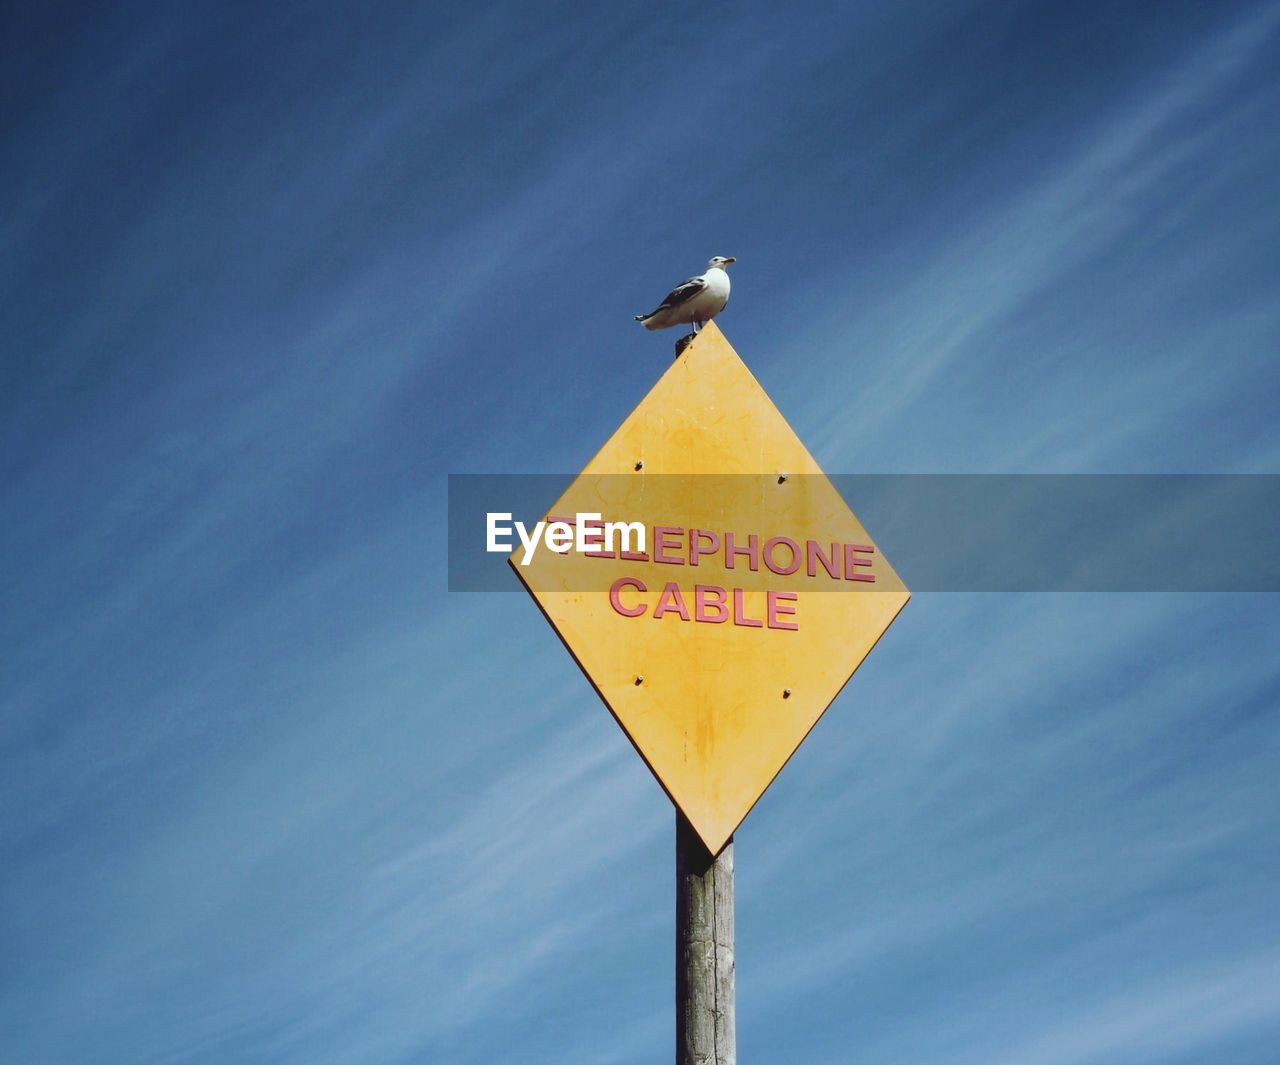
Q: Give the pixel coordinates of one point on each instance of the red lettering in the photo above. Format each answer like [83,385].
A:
[703,601]
[752,551]
[671,600]
[779,605]
[791,546]
[661,545]
[813,556]
[851,560]
[740,614]
[615,596]
[696,552]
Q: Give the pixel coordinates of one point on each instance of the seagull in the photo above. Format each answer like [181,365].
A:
[695,300]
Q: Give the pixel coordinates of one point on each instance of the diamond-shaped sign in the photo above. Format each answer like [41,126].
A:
[758,593]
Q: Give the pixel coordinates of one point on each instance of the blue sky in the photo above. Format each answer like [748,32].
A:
[268,793]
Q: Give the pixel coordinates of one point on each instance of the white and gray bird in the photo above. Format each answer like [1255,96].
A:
[695,300]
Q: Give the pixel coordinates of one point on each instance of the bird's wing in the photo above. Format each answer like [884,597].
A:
[686,290]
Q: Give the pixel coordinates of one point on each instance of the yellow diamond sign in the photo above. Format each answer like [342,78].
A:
[718,642]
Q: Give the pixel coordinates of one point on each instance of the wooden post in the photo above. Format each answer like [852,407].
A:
[704,951]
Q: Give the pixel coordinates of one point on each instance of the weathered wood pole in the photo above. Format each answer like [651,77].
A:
[704,951]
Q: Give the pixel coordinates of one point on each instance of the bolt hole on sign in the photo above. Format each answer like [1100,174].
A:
[754,579]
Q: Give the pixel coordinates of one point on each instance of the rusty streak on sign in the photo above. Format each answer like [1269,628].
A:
[758,595]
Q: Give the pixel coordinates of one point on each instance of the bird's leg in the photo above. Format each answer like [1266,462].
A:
[694,324]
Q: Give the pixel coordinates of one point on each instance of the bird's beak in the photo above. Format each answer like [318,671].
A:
[730,259]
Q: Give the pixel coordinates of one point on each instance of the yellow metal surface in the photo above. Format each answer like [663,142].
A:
[714,707]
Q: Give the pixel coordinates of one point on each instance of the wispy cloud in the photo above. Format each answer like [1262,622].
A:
[269,793]
[971,293]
